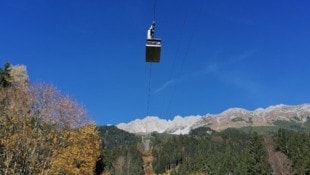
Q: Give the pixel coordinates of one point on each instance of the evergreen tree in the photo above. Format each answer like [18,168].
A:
[5,76]
[255,157]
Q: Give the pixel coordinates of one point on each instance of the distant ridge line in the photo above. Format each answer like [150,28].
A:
[230,118]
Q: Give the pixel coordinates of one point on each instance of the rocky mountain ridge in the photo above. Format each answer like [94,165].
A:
[231,118]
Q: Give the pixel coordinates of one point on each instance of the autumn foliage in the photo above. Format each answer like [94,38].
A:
[43,131]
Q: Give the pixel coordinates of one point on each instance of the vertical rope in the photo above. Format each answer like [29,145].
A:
[150,71]
[149,91]
[154,10]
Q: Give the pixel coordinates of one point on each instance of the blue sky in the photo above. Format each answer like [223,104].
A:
[215,54]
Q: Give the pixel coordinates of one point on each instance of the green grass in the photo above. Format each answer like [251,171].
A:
[260,129]
[290,125]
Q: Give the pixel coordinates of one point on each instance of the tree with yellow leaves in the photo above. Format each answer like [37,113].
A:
[43,131]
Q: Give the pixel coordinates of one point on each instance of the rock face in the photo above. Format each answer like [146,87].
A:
[237,117]
[231,118]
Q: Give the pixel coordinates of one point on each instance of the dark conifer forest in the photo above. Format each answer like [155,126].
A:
[204,151]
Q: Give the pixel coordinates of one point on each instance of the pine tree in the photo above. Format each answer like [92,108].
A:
[5,76]
[255,157]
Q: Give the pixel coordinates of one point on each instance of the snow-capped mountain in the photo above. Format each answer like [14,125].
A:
[179,125]
[231,118]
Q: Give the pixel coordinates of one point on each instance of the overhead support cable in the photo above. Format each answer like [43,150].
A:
[154,11]
[149,90]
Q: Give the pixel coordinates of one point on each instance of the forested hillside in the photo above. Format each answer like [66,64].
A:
[120,151]
[203,151]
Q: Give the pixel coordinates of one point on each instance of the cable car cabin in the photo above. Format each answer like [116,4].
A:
[153,47]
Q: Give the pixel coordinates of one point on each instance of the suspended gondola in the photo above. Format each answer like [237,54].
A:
[153,46]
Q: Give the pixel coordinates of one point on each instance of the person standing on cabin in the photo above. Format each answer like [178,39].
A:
[151,31]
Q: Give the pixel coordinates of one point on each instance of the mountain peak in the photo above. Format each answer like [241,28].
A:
[155,124]
[233,117]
